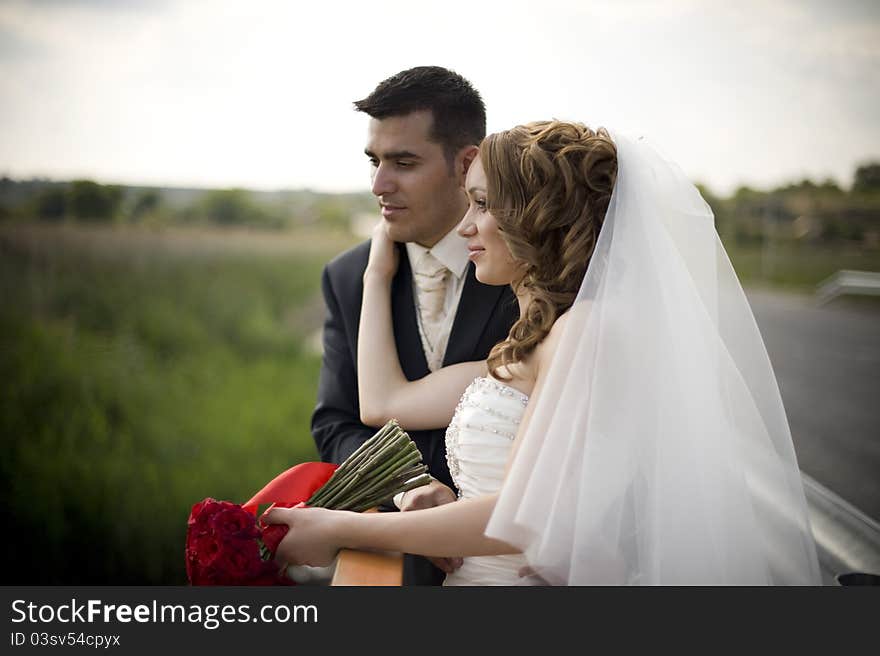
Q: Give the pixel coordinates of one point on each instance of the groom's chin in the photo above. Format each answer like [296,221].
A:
[398,232]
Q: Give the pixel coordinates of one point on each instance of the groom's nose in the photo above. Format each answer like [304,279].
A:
[383,181]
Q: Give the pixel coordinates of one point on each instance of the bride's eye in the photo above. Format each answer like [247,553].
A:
[481,204]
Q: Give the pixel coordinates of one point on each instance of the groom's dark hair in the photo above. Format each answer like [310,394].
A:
[458,111]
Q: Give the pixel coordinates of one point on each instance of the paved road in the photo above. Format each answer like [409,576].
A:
[827,361]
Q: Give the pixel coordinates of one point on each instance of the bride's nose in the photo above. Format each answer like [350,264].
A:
[466,227]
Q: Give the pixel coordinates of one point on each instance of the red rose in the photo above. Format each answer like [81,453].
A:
[241,559]
[203,511]
[201,556]
[201,545]
[196,511]
[223,548]
[233,521]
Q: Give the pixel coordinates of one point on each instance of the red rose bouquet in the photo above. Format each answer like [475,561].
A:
[224,546]
[227,545]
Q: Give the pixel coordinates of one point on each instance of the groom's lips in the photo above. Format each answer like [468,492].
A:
[389,211]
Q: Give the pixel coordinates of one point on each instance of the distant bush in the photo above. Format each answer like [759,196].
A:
[89,201]
[51,204]
[230,206]
[147,202]
[867,178]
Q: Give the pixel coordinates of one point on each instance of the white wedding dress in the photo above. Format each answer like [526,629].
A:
[478,442]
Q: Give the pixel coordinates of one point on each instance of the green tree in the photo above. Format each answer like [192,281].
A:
[90,201]
[50,204]
[867,178]
[830,186]
[231,207]
[147,202]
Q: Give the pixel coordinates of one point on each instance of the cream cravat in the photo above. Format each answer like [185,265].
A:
[431,278]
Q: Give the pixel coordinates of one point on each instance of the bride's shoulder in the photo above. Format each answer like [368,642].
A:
[545,350]
[557,328]
[525,373]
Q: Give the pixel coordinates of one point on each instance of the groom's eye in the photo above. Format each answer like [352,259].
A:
[404,164]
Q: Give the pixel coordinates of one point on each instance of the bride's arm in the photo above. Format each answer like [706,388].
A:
[383,390]
[455,529]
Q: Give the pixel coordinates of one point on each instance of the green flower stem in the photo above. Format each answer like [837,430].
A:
[351,463]
[386,434]
[392,462]
[370,469]
[350,467]
[342,488]
[386,489]
[376,464]
[384,465]
[372,502]
[379,482]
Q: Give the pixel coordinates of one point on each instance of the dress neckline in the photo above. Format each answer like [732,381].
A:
[499,384]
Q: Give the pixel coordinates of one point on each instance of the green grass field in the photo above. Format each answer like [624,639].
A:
[797,267]
[142,372]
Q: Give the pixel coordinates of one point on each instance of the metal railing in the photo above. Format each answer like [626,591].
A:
[847,540]
[848,282]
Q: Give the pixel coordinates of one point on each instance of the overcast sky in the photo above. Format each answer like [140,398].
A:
[258,94]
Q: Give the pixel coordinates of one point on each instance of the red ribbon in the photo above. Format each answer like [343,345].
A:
[293,486]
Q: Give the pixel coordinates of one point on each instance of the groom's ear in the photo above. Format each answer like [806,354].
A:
[466,157]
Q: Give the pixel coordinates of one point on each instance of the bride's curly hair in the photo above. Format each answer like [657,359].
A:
[549,185]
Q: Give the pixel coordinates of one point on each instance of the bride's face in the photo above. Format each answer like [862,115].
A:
[488,250]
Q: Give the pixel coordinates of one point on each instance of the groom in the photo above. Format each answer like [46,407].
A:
[425,127]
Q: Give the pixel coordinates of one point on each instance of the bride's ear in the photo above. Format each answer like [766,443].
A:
[466,157]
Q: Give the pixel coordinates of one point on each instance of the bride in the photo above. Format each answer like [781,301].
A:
[629,430]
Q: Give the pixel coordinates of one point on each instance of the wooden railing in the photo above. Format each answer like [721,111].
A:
[355,567]
[368,568]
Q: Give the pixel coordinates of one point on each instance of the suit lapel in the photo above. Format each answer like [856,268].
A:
[406,328]
[475,308]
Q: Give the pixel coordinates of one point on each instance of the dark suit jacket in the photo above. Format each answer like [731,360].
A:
[484,317]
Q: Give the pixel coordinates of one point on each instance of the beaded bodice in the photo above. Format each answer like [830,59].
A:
[480,435]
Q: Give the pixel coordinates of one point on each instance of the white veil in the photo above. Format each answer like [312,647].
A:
[659,452]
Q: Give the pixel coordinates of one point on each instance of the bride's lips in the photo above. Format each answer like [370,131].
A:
[475,252]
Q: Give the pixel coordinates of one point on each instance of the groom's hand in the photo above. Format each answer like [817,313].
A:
[428,496]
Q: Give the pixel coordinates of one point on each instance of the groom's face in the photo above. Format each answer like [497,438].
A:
[420,195]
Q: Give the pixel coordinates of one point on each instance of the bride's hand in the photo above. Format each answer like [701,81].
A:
[312,538]
[384,257]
